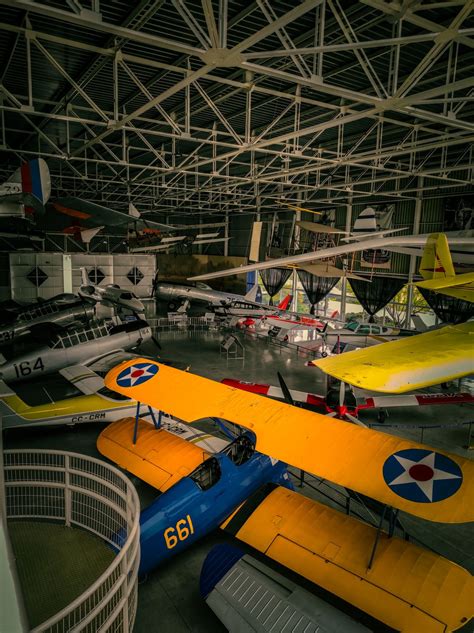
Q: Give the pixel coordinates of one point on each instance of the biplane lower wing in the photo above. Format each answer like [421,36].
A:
[406,587]
[397,472]
[158,457]
[410,363]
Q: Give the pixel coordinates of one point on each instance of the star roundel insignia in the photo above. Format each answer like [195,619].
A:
[136,374]
[421,475]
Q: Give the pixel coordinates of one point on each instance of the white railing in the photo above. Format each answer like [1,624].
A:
[82,492]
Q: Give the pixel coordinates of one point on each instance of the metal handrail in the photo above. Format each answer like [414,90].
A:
[94,496]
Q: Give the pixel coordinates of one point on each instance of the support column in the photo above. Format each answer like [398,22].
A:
[416,230]
[347,228]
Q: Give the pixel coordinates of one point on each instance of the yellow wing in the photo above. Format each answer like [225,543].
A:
[410,363]
[352,456]
[158,457]
[407,587]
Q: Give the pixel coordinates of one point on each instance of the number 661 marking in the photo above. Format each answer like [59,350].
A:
[183,528]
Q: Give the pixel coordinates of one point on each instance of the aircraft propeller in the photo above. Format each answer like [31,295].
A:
[286,391]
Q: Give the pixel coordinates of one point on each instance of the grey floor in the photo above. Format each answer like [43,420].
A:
[169,599]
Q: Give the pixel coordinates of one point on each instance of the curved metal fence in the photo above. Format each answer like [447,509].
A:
[81,491]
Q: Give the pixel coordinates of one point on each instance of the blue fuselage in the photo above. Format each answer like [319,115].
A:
[188,510]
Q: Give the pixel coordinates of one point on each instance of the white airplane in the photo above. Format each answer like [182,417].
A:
[21,196]
[365,237]
[111,295]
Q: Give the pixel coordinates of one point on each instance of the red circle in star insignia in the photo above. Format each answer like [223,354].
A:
[137,373]
[421,472]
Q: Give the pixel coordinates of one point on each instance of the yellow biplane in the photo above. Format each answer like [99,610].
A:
[395,581]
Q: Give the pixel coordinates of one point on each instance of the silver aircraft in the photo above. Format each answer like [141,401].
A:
[56,310]
[49,348]
[222,303]
[110,295]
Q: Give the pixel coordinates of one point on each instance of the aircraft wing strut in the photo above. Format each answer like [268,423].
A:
[403,474]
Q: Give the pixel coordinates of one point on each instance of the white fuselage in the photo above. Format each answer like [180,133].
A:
[70,348]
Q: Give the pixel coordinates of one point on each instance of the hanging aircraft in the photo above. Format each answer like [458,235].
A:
[22,197]
[365,237]
[438,272]
[110,295]
[431,358]
[343,555]
[49,347]
[80,217]
[176,242]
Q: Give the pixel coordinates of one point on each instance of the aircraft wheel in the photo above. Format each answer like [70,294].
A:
[172,306]
[324,354]
[382,416]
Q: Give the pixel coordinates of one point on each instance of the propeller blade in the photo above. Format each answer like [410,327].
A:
[156,342]
[352,418]
[342,394]
[286,391]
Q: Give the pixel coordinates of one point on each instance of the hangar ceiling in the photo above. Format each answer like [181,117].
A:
[224,106]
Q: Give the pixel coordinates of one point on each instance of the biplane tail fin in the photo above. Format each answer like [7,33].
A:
[436,262]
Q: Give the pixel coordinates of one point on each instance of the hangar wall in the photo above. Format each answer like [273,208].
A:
[44,275]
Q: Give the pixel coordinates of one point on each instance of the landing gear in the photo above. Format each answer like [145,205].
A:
[172,306]
[382,415]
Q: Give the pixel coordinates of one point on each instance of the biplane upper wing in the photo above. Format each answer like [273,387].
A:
[400,473]
[407,364]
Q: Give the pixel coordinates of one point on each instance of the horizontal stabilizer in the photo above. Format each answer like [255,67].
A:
[407,587]
[344,453]
[83,378]
[447,282]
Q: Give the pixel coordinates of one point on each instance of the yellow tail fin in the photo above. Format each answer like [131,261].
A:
[436,262]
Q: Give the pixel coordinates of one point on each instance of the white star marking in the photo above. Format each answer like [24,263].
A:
[425,486]
[133,379]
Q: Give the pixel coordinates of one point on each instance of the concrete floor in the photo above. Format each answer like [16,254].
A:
[169,599]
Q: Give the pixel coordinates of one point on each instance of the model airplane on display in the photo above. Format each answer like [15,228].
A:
[431,358]
[22,197]
[82,216]
[55,310]
[166,244]
[287,321]
[238,489]
[222,303]
[438,272]
[347,402]
[365,237]
[49,347]
[110,295]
